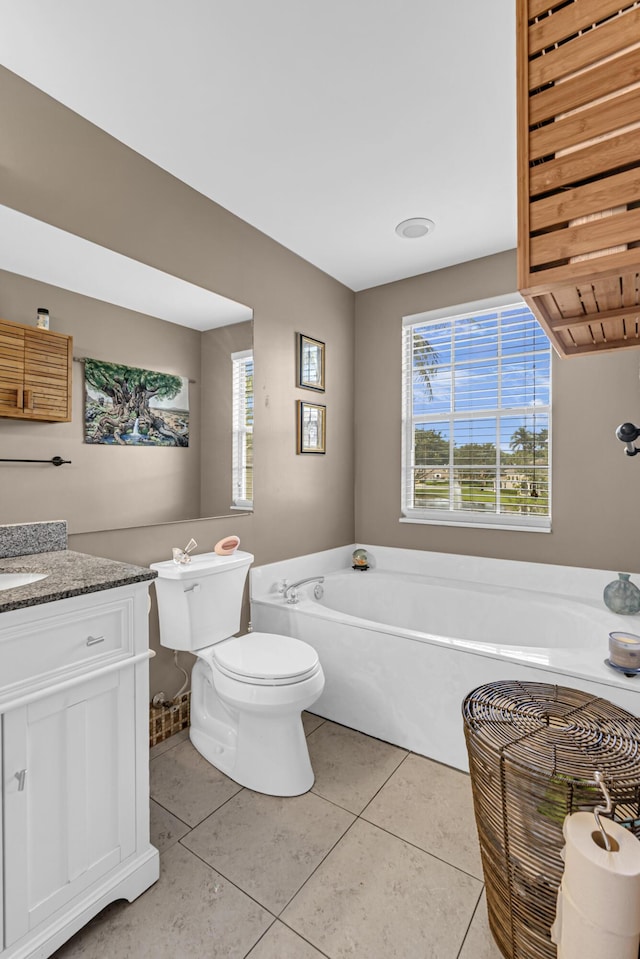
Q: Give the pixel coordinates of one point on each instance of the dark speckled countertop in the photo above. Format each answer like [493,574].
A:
[68,574]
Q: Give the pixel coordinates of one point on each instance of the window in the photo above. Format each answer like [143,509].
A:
[242,463]
[476,417]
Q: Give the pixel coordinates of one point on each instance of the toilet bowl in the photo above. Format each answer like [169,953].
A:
[248,691]
[246,717]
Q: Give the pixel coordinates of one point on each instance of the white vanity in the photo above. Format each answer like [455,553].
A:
[74,804]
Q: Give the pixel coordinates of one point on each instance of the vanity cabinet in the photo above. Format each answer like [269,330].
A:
[35,373]
[75,792]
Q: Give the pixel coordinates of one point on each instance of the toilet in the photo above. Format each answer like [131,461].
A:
[247,692]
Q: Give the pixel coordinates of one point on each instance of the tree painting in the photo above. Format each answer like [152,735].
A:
[129,406]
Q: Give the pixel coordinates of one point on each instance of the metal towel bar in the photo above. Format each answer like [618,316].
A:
[55,461]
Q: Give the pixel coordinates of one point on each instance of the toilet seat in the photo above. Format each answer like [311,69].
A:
[265,659]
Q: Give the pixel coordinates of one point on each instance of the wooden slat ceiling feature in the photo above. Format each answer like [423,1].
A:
[567,20]
[568,205]
[596,45]
[585,87]
[579,170]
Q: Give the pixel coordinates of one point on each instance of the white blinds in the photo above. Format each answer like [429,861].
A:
[476,418]
[242,412]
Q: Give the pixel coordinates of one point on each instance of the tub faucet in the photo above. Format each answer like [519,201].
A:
[290,593]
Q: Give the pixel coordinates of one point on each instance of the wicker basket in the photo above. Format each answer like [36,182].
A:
[533,750]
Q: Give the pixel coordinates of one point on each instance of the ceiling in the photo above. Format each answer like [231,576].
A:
[322,124]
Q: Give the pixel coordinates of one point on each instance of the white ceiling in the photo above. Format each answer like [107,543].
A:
[323,124]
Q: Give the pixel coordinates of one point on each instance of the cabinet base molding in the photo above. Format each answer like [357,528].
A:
[129,882]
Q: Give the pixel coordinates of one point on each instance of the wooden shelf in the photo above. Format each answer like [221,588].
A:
[579,171]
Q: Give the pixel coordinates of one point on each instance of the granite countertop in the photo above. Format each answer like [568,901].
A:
[68,574]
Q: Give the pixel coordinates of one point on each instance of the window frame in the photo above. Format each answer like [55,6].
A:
[458,517]
[240,431]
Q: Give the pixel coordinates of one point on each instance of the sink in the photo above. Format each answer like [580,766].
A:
[12,580]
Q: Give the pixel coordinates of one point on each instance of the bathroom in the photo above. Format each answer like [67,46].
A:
[303,504]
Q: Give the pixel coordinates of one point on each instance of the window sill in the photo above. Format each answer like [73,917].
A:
[509,527]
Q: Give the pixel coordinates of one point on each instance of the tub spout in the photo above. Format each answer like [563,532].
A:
[290,593]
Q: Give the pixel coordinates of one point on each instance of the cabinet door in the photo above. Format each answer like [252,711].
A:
[11,369]
[69,796]
[1,847]
[47,375]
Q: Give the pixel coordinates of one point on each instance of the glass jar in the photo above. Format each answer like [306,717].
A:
[622,596]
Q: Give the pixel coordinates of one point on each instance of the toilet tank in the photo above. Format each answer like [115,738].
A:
[200,603]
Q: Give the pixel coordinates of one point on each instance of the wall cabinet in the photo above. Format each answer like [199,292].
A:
[579,170]
[75,797]
[35,373]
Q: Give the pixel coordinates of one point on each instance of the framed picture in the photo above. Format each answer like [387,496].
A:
[312,428]
[310,363]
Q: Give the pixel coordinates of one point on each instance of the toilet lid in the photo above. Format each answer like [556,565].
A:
[265,656]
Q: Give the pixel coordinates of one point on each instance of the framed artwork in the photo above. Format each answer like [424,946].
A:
[128,406]
[312,427]
[310,363]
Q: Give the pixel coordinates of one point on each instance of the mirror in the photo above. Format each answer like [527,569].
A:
[124,312]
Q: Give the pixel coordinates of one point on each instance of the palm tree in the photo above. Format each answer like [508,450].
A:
[522,441]
[425,359]
[541,443]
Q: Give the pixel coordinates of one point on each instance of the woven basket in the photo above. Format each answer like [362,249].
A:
[533,750]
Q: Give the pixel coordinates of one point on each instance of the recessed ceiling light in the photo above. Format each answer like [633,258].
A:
[414,228]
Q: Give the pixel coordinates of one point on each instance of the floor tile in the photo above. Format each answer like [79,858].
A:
[479,943]
[350,767]
[166,829]
[187,785]
[267,845]
[311,722]
[169,743]
[431,806]
[191,911]
[377,896]
[279,942]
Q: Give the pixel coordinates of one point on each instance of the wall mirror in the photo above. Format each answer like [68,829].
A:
[125,312]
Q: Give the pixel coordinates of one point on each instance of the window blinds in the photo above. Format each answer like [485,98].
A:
[476,418]
[242,464]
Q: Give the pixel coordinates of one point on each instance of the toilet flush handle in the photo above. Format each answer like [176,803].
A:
[193,589]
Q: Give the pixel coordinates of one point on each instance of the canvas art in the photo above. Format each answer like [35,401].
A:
[128,406]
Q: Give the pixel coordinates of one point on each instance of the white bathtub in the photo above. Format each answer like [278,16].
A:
[402,643]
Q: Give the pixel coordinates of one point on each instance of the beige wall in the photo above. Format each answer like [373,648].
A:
[105,486]
[596,520]
[61,169]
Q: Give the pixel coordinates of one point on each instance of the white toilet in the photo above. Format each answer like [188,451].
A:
[247,691]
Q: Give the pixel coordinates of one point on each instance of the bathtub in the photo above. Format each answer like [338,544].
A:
[402,643]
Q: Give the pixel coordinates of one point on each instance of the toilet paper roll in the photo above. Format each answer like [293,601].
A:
[578,938]
[604,886]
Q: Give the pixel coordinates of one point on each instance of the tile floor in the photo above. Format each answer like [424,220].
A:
[373,863]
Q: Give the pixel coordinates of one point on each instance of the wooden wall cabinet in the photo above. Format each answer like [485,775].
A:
[35,373]
[579,170]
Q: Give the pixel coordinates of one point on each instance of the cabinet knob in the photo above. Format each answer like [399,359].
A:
[94,640]
[21,776]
